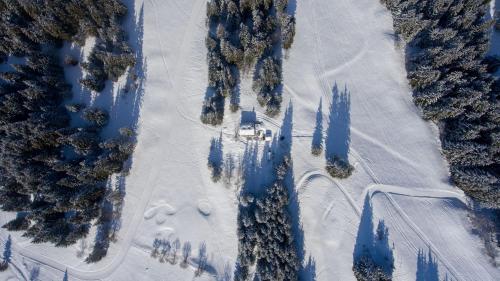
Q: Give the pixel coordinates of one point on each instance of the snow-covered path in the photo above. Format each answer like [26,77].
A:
[169,193]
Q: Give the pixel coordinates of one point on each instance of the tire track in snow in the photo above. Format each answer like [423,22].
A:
[386,148]
[348,60]
[197,13]
[387,190]
[320,72]
[321,76]
[109,268]
[313,174]
[451,269]
[189,35]
[160,43]
[331,72]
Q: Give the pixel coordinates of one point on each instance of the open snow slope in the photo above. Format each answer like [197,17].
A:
[342,48]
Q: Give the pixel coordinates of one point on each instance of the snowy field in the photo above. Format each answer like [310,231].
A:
[345,56]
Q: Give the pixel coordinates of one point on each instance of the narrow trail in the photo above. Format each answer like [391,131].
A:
[314,174]
[108,268]
[175,82]
[421,235]
[128,234]
[160,43]
[18,271]
[386,190]
[322,76]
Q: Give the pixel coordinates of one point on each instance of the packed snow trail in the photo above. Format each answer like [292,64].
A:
[169,193]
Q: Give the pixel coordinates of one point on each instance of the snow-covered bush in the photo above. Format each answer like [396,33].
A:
[108,60]
[287,30]
[213,110]
[96,77]
[96,116]
[317,149]
[366,270]
[268,77]
[338,168]
[266,83]
[17,224]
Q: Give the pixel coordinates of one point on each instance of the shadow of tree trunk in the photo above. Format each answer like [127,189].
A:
[7,254]
[427,267]
[338,133]
[372,252]
[216,158]
[317,139]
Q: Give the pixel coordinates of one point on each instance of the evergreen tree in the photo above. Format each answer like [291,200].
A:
[56,193]
[447,68]
[245,34]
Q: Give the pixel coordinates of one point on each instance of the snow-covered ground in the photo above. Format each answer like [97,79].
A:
[342,48]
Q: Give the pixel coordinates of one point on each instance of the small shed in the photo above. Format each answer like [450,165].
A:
[247,130]
[251,128]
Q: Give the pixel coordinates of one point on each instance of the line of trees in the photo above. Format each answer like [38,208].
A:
[244,34]
[265,233]
[166,251]
[52,174]
[447,41]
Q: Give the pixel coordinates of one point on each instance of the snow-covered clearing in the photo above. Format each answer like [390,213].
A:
[342,48]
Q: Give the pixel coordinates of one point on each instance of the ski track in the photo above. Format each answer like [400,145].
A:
[108,269]
[160,42]
[419,233]
[175,82]
[321,74]
[91,274]
[386,191]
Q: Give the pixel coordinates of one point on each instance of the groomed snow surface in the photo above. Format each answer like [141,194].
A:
[342,48]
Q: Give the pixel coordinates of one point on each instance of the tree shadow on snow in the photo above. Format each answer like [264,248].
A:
[124,112]
[216,158]
[306,271]
[372,245]
[225,274]
[427,267]
[317,138]
[34,273]
[258,173]
[256,169]
[174,252]
[235,96]
[309,270]
[365,237]
[7,250]
[338,133]
[258,166]
[292,7]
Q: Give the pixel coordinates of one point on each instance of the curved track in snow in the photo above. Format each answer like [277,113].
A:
[333,42]
[386,191]
[128,234]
